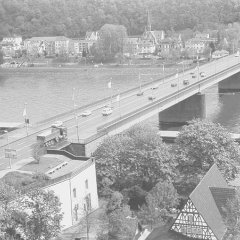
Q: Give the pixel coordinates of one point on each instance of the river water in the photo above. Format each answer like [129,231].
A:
[49,91]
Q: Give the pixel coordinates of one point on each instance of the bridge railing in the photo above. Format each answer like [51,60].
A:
[104,100]
[195,87]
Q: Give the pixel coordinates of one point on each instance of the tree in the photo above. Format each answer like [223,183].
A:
[232,215]
[110,42]
[201,144]
[135,197]
[115,202]
[43,215]
[159,202]
[11,217]
[135,157]
[39,149]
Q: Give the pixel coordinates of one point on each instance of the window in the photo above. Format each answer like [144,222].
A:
[74,192]
[76,212]
[190,218]
[86,184]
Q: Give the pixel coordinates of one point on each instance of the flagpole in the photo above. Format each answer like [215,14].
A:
[25,117]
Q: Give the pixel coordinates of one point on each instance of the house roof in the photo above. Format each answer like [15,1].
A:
[56,38]
[206,197]
[221,195]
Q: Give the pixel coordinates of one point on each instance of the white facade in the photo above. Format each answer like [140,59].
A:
[13,40]
[77,193]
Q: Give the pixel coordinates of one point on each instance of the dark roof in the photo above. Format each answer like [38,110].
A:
[204,201]
[221,195]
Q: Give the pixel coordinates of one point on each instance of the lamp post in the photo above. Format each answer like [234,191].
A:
[10,160]
[76,118]
[140,82]
[163,69]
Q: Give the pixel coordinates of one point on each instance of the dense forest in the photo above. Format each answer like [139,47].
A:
[73,18]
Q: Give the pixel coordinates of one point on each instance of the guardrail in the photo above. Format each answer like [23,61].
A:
[161,102]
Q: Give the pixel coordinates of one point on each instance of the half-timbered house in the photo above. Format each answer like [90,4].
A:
[202,217]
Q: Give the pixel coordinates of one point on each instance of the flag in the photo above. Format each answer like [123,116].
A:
[118,98]
[25,112]
[109,84]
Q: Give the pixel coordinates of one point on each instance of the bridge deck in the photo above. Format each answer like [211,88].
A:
[171,135]
[10,124]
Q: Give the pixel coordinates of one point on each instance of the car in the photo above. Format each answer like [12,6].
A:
[140,93]
[154,87]
[151,97]
[107,111]
[192,73]
[173,84]
[185,82]
[202,74]
[57,124]
[86,113]
[237,54]
[194,76]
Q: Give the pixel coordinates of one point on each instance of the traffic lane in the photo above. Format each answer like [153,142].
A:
[205,68]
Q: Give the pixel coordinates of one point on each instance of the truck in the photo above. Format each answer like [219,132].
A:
[52,136]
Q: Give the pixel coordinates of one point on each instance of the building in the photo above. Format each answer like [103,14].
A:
[196,45]
[130,45]
[199,43]
[47,45]
[202,216]
[15,40]
[73,181]
[92,36]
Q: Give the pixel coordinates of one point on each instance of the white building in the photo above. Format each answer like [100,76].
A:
[72,181]
[76,186]
[16,40]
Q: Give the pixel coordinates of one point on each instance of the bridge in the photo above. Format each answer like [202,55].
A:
[131,109]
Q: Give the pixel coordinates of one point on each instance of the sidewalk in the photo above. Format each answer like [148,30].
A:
[16,166]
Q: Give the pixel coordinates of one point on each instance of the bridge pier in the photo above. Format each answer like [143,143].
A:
[186,110]
[230,85]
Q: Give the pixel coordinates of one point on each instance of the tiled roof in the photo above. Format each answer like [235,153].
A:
[206,204]
[56,38]
[221,195]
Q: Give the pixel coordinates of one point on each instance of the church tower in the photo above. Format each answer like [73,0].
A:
[148,22]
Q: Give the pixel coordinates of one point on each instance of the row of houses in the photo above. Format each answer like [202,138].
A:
[148,43]
[48,46]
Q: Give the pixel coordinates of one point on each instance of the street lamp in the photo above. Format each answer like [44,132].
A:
[163,69]
[76,118]
[10,160]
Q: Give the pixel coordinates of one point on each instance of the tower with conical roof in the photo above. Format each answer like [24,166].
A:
[149,27]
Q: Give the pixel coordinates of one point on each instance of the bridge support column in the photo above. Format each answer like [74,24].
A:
[179,114]
[231,84]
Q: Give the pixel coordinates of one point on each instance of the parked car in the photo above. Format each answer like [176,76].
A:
[107,111]
[86,113]
[185,82]
[140,93]
[57,124]
[202,74]
[173,84]
[154,87]
[151,97]
[194,76]
[192,73]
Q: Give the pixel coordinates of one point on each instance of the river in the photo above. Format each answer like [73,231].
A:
[49,91]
